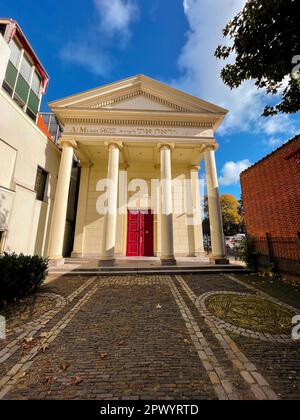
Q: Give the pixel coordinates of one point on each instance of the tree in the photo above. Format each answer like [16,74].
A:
[232,218]
[230,213]
[265,47]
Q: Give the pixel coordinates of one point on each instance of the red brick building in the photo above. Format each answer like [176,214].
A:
[271,198]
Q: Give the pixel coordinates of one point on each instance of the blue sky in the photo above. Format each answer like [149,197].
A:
[87,43]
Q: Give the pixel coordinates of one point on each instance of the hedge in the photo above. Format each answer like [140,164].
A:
[20,275]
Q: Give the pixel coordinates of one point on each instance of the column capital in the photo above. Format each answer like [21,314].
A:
[195,168]
[86,165]
[166,146]
[124,166]
[114,144]
[66,143]
[211,148]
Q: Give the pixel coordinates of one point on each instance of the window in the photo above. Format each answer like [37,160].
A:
[7,88]
[23,81]
[31,114]
[36,83]
[26,68]
[19,101]
[15,53]
[40,183]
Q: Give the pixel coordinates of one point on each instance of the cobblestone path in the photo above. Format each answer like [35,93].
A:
[145,337]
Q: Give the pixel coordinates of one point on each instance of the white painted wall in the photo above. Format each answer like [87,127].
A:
[23,147]
[4,54]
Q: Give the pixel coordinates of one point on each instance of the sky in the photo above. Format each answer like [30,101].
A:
[84,44]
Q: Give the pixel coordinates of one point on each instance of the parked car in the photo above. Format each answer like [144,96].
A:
[238,238]
[229,241]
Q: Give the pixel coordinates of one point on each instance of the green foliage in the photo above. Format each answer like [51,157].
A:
[248,253]
[20,276]
[265,40]
[233,221]
[274,273]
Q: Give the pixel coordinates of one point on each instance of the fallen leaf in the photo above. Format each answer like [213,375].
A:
[49,380]
[64,366]
[186,341]
[158,306]
[103,356]
[77,380]
[44,335]
[28,339]
[45,347]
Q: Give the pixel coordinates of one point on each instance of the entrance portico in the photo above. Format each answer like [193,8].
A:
[140,144]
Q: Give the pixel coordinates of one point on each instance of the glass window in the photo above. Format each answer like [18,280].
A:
[15,52]
[25,69]
[40,183]
[31,114]
[36,83]
[19,101]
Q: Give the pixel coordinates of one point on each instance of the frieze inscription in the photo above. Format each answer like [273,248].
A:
[136,131]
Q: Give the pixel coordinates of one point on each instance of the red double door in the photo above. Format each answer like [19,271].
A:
[140,234]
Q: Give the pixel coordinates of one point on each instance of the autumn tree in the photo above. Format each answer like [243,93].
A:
[230,213]
[232,219]
[265,46]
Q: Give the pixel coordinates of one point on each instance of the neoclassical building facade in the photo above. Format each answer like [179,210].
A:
[137,135]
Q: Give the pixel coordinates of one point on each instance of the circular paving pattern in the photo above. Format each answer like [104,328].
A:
[249,315]
[251,312]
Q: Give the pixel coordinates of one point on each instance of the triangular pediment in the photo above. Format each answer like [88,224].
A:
[139,93]
[138,100]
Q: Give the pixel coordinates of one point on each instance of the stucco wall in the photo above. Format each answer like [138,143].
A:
[4,54]
[23,147]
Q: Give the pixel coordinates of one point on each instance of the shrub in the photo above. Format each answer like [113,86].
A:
[20,275]
[248,253]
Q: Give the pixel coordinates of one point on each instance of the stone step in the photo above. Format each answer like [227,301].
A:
[153,270]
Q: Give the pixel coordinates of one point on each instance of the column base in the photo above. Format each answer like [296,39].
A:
[58,262]
[106,263]
[77,255]
[168,261]
[218,260]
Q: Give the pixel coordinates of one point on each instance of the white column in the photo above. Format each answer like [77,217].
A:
[167,239]
[197,222]
[58,223]
[110,219]
[78,249]
[214,205]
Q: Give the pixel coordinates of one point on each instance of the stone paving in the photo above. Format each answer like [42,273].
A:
[145,337]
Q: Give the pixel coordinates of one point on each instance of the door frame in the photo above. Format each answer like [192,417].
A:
[154,233]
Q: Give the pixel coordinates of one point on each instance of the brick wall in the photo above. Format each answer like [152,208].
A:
[271,196]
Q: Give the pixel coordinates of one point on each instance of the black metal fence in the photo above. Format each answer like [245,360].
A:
[281,252]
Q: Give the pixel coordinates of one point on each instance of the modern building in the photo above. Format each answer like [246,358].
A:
[133,137]
[271,198]
[29,159]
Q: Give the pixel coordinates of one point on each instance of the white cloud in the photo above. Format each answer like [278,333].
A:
[92,60]
[113,18]
[116,15]
[230,174]
[201,70]
[273,142]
